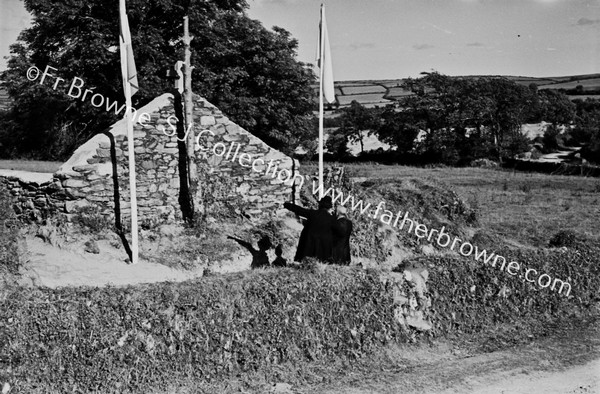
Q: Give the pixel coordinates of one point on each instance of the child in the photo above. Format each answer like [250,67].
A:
[259,257]
[279,261]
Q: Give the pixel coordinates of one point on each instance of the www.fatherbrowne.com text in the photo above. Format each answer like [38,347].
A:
[443,239]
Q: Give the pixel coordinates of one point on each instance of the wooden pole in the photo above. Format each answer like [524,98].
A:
[321,68]
[132,187]
[194,192]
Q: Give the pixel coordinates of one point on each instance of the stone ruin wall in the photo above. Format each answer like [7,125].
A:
[86,179]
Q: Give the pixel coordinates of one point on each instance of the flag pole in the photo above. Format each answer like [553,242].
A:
[132,187]
[129,73]
[321,68]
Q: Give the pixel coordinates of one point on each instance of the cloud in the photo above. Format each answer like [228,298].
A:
[587,22]
[362,45]
[419,47]
[475,44]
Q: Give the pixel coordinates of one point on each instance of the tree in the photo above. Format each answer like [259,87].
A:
[249,72]
[587,128]
[399,129]
[337,144]
[452,109]
[354,120]
[550,138]
[556,107]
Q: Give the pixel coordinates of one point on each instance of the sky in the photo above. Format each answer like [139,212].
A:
[393,39]
[13,19]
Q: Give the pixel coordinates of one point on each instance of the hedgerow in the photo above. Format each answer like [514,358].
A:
[10,260]
[133,339]
[469,297]
[138,339]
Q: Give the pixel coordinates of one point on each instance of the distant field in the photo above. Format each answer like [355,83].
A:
[362,89]
[398,92]
[31,166]
[541,81]
[593,83]
[585,97]
[363,98]
[392,84]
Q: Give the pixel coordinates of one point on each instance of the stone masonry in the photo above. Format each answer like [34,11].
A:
[87,177]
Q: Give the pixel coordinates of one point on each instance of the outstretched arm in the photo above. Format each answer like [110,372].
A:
[296,209]
[245,244]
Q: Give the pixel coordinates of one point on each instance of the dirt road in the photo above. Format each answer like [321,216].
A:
[566,362]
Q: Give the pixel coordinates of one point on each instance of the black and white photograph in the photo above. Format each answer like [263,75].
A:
[300,196]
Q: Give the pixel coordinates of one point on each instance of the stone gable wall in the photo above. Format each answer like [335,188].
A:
[87,177]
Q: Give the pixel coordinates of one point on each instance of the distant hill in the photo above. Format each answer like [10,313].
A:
[373,93]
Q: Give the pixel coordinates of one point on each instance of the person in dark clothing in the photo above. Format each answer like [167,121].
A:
[316,239]
[341,241]
[279,261]
[259,257]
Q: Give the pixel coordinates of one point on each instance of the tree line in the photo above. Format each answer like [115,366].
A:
[248,71]
[455,120]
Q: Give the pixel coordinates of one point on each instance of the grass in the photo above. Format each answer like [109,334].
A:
[526,207]
[31,166]
[362,98]
[245,327]
[349,90]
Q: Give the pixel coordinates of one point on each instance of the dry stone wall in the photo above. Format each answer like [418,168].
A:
[86,179]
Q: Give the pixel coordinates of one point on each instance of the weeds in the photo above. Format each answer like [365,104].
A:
[91,220]
[135,339]
[10,255]
[526,188]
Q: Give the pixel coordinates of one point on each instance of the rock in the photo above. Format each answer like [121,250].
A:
[71,206]
[207,120]
[92,247]
[169,230]
[74,183]
[416,320]
[484,163]
[282,388]
[428,250]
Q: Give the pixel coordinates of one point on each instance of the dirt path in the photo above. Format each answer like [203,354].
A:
[568,362]
[53,266]
[68,264]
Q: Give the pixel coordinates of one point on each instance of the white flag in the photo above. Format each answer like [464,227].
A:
[324,60]
[127,62]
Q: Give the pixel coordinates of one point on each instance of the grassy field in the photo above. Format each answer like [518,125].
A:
[527,208]
[31,166]
[592,83]
[346,91]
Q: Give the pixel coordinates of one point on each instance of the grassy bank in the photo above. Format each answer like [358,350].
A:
[267,324]
[132,340]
